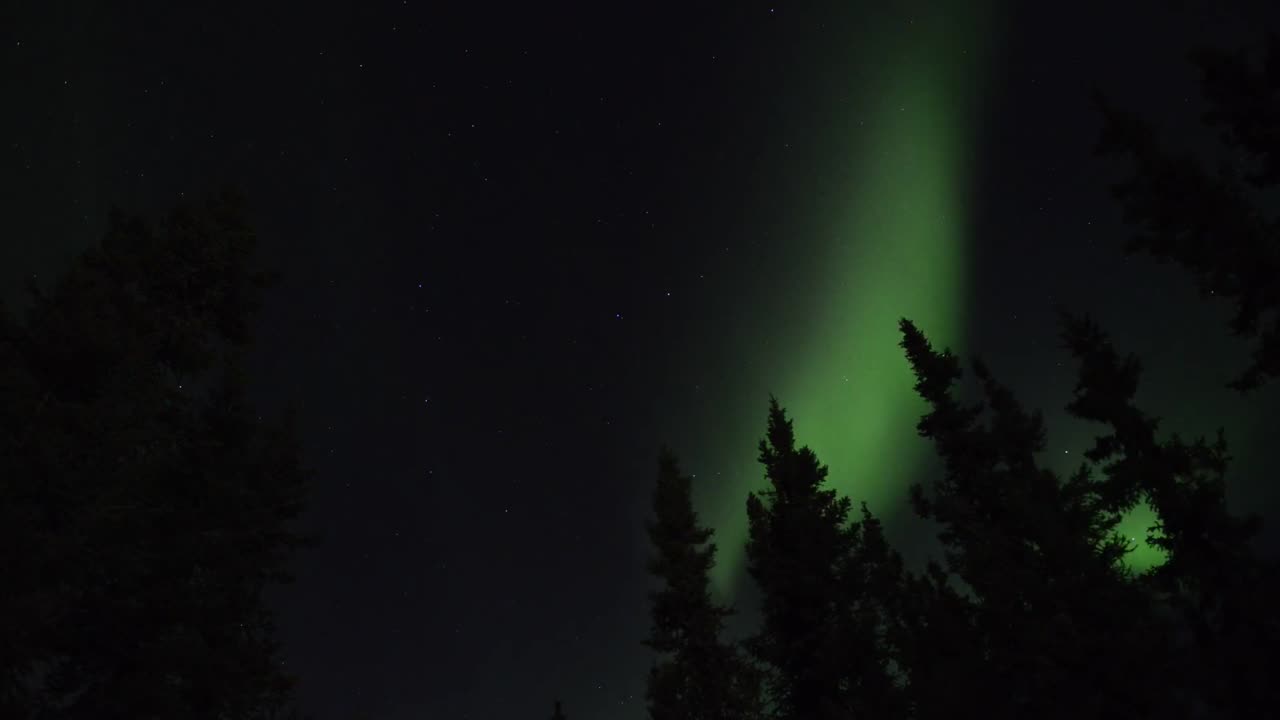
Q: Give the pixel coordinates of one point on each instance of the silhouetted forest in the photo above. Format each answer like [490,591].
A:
[145,506]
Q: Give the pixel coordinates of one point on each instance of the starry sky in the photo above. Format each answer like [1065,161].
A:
[524,244]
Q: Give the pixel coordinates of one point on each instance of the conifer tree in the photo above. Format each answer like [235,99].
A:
[821,637]
[1049,624]
[1223,593]
[559,713]
[1220,227]
[871,582]
[698,676]
[144,507]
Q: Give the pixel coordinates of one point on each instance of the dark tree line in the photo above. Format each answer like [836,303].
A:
[1031,611]
[144,505]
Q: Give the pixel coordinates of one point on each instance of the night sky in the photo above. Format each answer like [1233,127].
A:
[525,244]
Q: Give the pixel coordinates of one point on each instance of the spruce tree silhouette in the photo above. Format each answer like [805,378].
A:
[143,505]
[1048,623]
[1220,228]
[821,637]
[1221,591]
[559,713]
[868,599]
[699,676]
[1214,223]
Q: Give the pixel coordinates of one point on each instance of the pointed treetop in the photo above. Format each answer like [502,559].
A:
[781,434]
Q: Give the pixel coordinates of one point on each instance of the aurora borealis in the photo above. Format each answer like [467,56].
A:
[886,238]
[523,247]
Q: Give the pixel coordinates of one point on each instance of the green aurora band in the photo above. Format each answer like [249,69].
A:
[892,230]
[891,242]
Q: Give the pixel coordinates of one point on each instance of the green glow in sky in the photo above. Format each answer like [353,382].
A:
[878,230]
[1137,523]
[1135,527]
[891,242]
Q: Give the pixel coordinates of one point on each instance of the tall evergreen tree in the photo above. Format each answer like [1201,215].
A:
[1224,594]
[1219,226]
[559,713]
[700,677]
[1049,624]
[144,507]
[821,635]
[871,582]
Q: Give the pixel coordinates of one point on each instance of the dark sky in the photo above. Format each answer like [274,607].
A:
[522,247]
